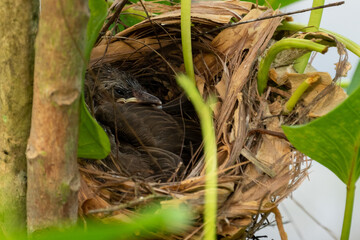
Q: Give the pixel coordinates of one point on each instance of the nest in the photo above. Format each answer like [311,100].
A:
[257,166]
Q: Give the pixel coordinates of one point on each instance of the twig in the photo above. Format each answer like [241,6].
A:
[295,226]
[279,223]
[268,132]
[314,219]
[262,166]
[243,233]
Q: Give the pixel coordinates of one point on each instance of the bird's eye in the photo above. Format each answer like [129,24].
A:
[122,93]
[119,91]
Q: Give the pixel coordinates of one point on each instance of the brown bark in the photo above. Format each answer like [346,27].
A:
[53,179]
[18,25]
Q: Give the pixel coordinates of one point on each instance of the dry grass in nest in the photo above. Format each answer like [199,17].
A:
[257,166]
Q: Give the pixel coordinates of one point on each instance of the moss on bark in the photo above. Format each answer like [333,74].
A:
[18,26]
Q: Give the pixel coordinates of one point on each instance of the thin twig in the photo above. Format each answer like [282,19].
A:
[279,223]
[328,230]
[296,228]
[268,132]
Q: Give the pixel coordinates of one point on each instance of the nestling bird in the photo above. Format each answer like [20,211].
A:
[147,141]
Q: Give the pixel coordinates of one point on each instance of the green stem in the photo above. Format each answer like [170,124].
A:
[186,38]
[278,47]
[344,85]
[315,16]
[350,45]
[314,23]
[290,104]
[207,128]
[210,149]
[350,195]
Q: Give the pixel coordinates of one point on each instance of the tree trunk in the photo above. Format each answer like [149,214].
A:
[18,26]
[53,178]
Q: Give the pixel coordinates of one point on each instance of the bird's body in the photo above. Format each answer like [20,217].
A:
[142,125]
[147,141]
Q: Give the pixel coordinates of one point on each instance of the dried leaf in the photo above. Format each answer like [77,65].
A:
[345,70]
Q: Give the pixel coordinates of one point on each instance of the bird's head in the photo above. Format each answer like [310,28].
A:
[123,87]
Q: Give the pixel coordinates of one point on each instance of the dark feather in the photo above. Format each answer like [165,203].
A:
[142,125]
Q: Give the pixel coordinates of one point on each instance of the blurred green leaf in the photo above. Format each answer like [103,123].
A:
[355,82]
[333,140]
[131,17]
[161,222]
[275,3]
[98,12]
[93,141]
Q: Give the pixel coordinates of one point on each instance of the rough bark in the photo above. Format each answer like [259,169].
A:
[18,26]
[53,179]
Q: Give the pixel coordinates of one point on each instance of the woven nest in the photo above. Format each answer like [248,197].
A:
[257,166]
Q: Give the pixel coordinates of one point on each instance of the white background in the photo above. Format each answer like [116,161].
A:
[323,194]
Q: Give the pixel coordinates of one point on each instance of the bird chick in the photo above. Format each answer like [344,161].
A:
[149,141]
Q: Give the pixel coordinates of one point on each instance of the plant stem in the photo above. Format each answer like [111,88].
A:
[315,16]
[290,104]
[206,122]
[350,45]
[343,85]
[350,195]
[278,47]
[186,38]
[314,23]
[210,149]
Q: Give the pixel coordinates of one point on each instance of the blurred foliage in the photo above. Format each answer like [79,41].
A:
[355,82]
[130,17]
[274,3]
[151,223]
[204,112]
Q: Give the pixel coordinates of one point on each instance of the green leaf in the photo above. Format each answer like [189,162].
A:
[164,221]
[93,142]
[355,82]
[274,3]
[133,17]
[98,11]
[333,140]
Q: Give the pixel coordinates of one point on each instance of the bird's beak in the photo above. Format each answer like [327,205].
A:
[142,97]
